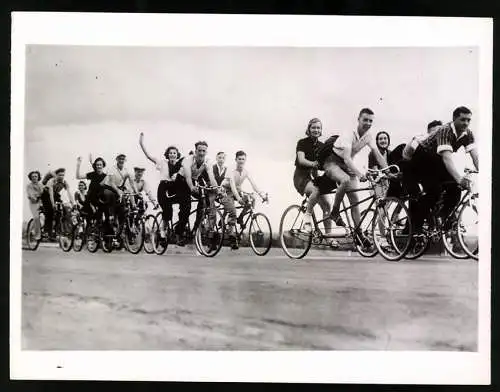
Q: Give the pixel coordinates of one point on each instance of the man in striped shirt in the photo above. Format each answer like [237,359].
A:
[433,167]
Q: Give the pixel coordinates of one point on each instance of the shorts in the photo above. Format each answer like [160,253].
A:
[334,159]
[300,180]
[325,184]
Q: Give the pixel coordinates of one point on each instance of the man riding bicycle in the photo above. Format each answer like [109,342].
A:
[141,185]
[339,169]
[55,186]
[196,169]
[431,162]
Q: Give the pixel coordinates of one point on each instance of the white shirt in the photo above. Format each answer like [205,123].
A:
[162,167]
[118,176]
[195,169]
[238,178]
[352,140]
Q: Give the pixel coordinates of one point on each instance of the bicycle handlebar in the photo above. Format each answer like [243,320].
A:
[252,194]
[470,171]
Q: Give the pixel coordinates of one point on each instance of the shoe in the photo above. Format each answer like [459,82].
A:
[333,244]
[307,225]
[362,240]
[335,217]
[180,241]
[234,243]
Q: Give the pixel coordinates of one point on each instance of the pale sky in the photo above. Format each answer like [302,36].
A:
[98,99]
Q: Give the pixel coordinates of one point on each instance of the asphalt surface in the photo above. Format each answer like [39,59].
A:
[238,301]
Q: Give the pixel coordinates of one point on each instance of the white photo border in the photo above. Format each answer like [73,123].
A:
[397,367]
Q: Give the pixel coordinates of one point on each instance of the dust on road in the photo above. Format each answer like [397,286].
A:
[182,302]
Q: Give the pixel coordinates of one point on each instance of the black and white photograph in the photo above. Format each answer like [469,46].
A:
[301,195]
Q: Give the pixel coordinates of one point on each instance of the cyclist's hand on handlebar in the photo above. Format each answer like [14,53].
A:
[363,178]
[465,183]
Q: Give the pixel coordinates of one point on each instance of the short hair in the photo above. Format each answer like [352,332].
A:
[311,122]
[383,133]
[170,148]
[191,152]
[240,153]
[461,110]
[97,160]
[365,111]
[35,172]
[201,143]
[139,169]
[60,170]
[82,183]
[433,124]
[220,152]
[121,156]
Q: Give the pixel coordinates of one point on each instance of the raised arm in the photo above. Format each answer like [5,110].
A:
[141,143]
[91,160]
[79,175]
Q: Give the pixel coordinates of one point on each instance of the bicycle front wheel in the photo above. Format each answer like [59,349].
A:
[79,236]
[392,230]
[158,242]
[148,234]
[260,234]
[451,240]
[65,230]
[468,228]
[293,240]
[210,235]
[30,236]
[134,235]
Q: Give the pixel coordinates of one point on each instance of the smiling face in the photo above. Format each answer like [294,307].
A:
[99,167]
[315,129]
[462,121]
[201,152]
[240,161]
[221,158]
[34,178]
[120,162]
[382,141]
[82,187]
[172,154]
[365,122]
[138,175]
[60,176]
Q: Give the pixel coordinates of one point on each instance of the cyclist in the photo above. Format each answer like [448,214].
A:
[232,186]
[339,168]
[306,168]
[432,165]
[55,186]
[47,206]
[195,170]
[219,168]
[168,168]
[34,190]
[101,195]
[142,186]
[81,194]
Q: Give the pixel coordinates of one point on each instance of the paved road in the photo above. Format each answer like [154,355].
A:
[237,301]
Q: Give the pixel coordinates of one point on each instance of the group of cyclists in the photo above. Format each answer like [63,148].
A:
[425,165]
[180,180]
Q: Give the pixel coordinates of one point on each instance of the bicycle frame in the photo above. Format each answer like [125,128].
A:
[352,227]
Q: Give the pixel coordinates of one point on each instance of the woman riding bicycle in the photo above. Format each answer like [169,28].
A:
[34,190]
[168,168]
[101,197]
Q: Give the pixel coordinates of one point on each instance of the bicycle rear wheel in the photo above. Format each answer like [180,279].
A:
[92,236]
[260,234]
[468,228]
[208,239]
[30,236]
[293,240]
[391,217]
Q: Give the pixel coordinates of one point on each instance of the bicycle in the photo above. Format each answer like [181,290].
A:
[259,232]
[458,232]
[378,232]
[63,226]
